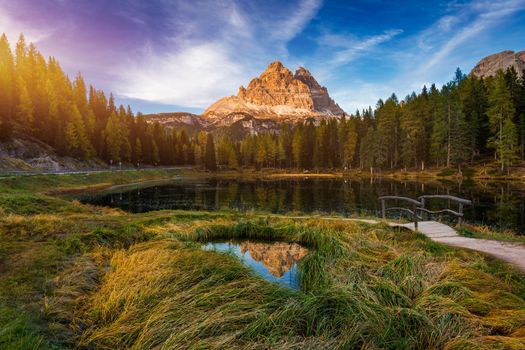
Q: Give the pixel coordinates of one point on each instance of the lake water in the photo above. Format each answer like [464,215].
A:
[494,203]
[273,261]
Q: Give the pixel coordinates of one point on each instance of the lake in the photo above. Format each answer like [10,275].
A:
[500,204]
[274,261]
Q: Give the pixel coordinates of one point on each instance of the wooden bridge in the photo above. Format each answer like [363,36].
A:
[513,253]
[419,206]
[510,252]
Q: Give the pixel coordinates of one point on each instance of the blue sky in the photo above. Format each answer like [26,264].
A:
[162,55]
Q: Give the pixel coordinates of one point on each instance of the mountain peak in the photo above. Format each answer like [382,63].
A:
[306,77]
[489,65]
[279,94]
[275,65]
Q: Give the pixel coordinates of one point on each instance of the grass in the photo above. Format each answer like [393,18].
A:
[79,276]
[487,232]
[362,287]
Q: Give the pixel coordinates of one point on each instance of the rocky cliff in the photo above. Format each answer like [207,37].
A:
[278,94]
[489,65]
[278,257]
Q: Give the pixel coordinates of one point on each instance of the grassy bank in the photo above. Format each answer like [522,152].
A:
[75,275]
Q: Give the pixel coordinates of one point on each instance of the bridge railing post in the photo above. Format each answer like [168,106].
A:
[461,204]
[423,213]
[412,203]
[414,208]
[460,217]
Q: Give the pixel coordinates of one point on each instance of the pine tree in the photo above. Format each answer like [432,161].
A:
[233,163]
[350,143]
[125,153]
[80,99]
[297,145]
[388,133]
[501,113]
[281,153]
[507,143]
[24,108]
[113,138]
[155,156]
[77,140]
[137,152]
[210,162]
[7,82]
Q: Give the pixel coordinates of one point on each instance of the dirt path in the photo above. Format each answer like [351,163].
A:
[511,252]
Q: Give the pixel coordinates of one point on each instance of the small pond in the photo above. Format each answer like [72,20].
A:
[274,261]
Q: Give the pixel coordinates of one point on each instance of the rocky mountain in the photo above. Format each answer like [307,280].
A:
[180,120]
[278,257]
[489,65]
[276,96]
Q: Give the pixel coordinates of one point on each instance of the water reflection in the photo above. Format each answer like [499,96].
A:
[495,203]
[275,261]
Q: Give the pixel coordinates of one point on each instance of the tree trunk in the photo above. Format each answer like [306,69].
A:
[448,135]
[500,138]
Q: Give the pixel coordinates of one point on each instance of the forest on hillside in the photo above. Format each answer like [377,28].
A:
[466,120]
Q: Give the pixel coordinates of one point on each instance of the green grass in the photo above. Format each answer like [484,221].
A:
[486,232]
[75,275]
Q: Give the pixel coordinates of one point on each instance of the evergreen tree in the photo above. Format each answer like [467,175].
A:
[501,113]
[388,133]
[210,162]
[233,163]
[7,82]
[349,143]
[507,143]
[297,144]
[113,138]
[137,152]
[155,156]
[77,140]
[474,106]
[24,108]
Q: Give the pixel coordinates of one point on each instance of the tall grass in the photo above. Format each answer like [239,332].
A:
[362,287]
[73,275]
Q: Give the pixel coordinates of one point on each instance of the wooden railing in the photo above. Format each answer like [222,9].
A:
[461,203]
[415,204]
[419,206]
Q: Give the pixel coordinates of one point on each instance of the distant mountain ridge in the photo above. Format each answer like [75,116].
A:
[489,65]
[276,96]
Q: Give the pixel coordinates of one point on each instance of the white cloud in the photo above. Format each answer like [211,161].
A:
[297,20]
[360,95]
[194,76]
[353,48]
[13,29]
[489,14]
[196,70]
[432,59]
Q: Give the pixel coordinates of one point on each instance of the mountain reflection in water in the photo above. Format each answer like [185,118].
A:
[274,261]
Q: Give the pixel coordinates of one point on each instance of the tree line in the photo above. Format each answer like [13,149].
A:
[38,100]
[469,119]
[466,120]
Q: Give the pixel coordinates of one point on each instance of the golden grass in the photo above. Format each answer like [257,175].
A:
[365,287]
[75,275]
